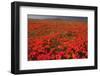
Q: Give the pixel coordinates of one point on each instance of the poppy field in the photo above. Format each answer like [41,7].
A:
[56,39]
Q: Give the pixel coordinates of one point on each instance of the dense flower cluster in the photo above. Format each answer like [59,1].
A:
[69,44]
